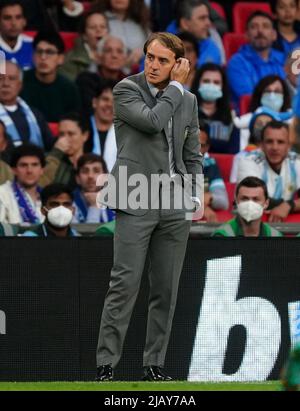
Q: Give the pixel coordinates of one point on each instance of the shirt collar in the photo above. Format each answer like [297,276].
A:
[8,49]
[153,90]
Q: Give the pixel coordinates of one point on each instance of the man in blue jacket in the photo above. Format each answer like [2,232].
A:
[257,59]
[193,16]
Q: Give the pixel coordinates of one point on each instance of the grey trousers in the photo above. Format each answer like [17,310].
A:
[163,234]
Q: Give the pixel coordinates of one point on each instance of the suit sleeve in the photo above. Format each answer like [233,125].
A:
[132,109]
[191,149]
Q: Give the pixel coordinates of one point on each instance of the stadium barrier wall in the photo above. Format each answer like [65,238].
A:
[237,314]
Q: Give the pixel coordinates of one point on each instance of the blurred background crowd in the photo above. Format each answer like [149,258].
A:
[63,58]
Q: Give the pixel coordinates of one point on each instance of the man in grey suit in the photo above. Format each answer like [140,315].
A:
[157,134]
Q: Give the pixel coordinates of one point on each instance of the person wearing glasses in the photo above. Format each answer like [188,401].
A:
[44,88]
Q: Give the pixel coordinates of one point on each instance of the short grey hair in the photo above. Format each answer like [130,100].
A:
[14,63]
[101,43]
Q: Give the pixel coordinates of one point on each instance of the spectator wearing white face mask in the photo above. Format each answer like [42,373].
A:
[57,207]
[270,94]
[252,200]
[211,90]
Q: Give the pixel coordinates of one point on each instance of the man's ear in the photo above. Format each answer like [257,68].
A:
[61,59]
[86,135]
[183,24]
[266,204]
[43,211]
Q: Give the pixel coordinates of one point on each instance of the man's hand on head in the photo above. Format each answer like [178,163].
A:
[180,71]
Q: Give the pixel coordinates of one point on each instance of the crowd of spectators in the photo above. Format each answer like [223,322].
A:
[63,58]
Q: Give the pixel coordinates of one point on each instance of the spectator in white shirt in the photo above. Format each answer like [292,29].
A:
[278,167]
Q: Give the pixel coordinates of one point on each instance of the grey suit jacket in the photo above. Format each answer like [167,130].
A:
[141,124]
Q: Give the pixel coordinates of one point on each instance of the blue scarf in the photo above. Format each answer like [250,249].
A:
[27,212]
[96,142]
[35,136]
[105,215]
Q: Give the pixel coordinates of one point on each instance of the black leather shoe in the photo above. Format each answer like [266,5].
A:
[104,373]
[155,373]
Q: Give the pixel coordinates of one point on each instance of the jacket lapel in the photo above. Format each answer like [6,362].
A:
[140,79]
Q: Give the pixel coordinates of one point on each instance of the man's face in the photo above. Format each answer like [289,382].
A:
[275,145]
[261,33]
[87,177]
[190,53]
[10,85]
[28,171]
[62,199]
[159,62]
[113,56]
[12,22]
[286,11]
[96,28]
[46,58]
[71,130]
[198,24]
[103,107]
[255,194]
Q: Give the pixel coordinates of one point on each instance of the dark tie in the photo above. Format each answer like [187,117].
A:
[159,94]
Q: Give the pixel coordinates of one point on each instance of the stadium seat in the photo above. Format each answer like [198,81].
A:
[86,5]
[67,36]
[30,33]
[293,218]
[224,162]
[241,12]
[219,9]
[69,39]
[224,216]
[54,128]
[245,103]
[230,188]
[232,42]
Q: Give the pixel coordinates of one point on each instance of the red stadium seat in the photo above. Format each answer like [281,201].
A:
[224,216]
[230,188]
[224,162]
[69,39]
[219,9]
[245,103]
[241,12]
[30,33]
[232,42]
[293,218]
[53,128]
[86,5]
[67,36]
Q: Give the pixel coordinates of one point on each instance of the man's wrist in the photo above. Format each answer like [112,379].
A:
[292,205]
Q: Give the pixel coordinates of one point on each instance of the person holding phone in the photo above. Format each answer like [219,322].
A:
[156,125]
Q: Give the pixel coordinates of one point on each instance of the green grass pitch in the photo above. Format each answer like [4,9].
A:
[140,386]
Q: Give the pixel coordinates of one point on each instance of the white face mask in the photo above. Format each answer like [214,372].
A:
[250,210]
[60,216]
